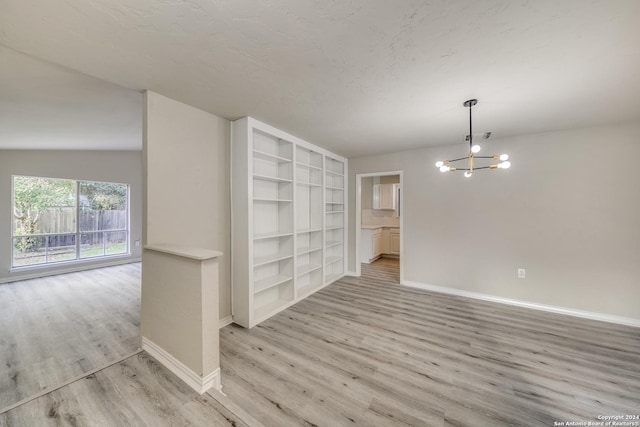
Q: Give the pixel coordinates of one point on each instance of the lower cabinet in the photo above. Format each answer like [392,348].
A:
[394,241]
[385,241]
[371,244]
[379,241]
[377,244]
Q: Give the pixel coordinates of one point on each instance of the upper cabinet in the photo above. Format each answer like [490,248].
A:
[384,196]
[289,223]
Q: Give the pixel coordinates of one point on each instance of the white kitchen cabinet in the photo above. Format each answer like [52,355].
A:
[386,246]
[384,196]
[377,245]
[391,241]
[371,244]
[394,241]
[289,220]
[377,241]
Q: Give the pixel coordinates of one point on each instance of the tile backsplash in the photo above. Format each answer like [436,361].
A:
[386,218]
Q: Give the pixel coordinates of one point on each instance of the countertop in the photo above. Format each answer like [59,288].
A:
[375,227]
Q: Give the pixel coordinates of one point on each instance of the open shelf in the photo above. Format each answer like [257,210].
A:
[288,198]
[308,157]
[271,178]
[310,230]
[308,282]
[308,184]
[265,311]
[306,250]
[308,268]
[273,235]
[270,157]
[333,277]
[306,290]
[261,199]
[269,282]
[264,260]
[306,165]
[334,167]
[332,259]
[334,220]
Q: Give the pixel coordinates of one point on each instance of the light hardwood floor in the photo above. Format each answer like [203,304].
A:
[57,328]
[135,392]
[366,351]
[369,352]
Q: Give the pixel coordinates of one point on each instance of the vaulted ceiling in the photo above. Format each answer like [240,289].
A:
[358,77]
[48,107]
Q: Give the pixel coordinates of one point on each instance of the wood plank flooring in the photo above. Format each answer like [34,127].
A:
[135,392]
[57,328]
[367,351]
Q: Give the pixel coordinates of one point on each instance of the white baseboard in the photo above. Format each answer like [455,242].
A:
[198,383]
[226,321]
[46,270]
[543,307]
[352,274]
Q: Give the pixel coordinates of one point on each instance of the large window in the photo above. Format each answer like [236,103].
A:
[58,220]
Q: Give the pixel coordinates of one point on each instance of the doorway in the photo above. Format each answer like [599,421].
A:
[379,218]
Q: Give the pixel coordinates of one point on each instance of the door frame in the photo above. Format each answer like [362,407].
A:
[358,215]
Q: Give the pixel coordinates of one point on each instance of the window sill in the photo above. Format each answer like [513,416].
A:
[68,263]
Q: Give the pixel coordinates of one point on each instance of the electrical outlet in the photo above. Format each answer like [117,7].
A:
[137,243]
[522,273]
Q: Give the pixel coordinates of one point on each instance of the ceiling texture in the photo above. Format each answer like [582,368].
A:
[358,77]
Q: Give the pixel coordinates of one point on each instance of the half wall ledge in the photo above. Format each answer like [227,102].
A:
[199,254]
[179,312]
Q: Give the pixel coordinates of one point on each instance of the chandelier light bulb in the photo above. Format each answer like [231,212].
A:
[439,163]
[475,149]
[468,174]
[504,157]
[444,168]
[504,165]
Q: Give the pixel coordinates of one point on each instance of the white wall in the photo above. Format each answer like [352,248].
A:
[188,201]
[367,193]
[568,211]
[110,166]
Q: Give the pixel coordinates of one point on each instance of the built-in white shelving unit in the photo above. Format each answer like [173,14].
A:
[335,220]
[309,221]
[289,222]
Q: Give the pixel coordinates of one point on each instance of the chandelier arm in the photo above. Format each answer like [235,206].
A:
[461,158]
[484,157]
[484,167]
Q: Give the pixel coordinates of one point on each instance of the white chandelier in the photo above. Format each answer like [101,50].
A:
[445,165]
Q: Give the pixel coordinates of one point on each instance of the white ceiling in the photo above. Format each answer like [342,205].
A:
[47,107]
[358,77]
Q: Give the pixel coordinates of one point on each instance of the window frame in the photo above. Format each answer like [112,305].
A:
[77,233]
